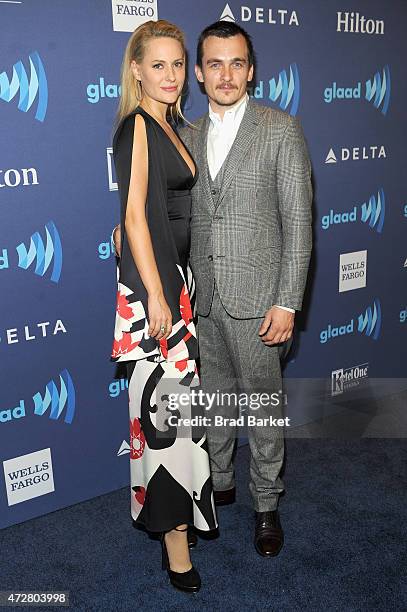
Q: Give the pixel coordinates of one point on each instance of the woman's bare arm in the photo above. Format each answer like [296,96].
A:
[138,234]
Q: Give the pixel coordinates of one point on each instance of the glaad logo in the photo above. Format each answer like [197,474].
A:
[345,379]
[14,178]
[371,212]
[286,90]
[54,400]
[403,315]
[358,24]
[28,89]
[354,154]
[368,323]
[117,386]
[374,210]
[405,210]
[106,249]
[96,91]
[262,15]
[377,91]
[43,254]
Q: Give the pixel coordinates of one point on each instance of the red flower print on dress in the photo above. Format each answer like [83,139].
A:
[137,439]
[123,307]
[123,346]
[164,348]
[185,306]
[181,365]
[140,494]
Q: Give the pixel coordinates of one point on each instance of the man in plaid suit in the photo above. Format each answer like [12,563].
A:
[250,248]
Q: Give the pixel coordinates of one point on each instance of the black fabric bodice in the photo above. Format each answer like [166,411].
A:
[180,181]
[168,212]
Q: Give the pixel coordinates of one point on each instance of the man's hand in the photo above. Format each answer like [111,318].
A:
[277,326]
[117,240]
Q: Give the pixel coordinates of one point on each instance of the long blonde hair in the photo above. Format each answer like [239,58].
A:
[131,89]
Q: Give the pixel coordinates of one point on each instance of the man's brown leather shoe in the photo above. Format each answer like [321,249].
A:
[224,498]
[268,535]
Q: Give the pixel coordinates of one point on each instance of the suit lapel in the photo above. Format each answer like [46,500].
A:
[202,160]
[244,138]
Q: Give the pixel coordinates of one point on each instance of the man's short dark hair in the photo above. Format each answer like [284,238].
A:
[224,29]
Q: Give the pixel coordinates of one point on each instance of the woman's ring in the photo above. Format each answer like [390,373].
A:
[162,329]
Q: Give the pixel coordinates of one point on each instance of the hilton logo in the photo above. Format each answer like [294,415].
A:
[15,178]
[358,24]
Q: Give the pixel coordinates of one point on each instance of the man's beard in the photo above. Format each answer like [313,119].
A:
[222,102]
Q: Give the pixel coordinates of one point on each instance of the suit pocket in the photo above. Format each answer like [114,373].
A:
[265,258]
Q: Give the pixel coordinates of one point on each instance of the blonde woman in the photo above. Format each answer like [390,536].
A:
[154,332]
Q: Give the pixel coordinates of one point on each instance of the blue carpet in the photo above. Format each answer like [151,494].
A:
[344,515]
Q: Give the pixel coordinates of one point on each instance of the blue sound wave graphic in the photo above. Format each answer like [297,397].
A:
[29,89]
[43,254]
[288,88]
[57,399]
[374,211]
[370,322]
[379,88]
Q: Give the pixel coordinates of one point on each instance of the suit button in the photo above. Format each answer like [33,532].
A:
[214,191]
[210,257]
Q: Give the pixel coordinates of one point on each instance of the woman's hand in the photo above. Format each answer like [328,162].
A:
[159,315]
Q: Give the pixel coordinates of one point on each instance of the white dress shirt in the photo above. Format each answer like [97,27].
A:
[221,136]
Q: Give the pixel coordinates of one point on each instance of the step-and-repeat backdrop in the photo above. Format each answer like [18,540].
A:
[339,66]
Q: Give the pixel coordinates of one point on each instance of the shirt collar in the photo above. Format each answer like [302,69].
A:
[233,111]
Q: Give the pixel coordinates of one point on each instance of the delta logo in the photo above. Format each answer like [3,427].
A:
[57,402]
[356,154]
[284,90]
[372,213]
[259,14]
[367,323]
[43,256]
[376,90]
[33,331]
[32,89]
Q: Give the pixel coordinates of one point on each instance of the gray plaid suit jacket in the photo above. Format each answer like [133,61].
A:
[254,236]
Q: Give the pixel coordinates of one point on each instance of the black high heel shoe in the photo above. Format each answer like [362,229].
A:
[192,538]
[189,581]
